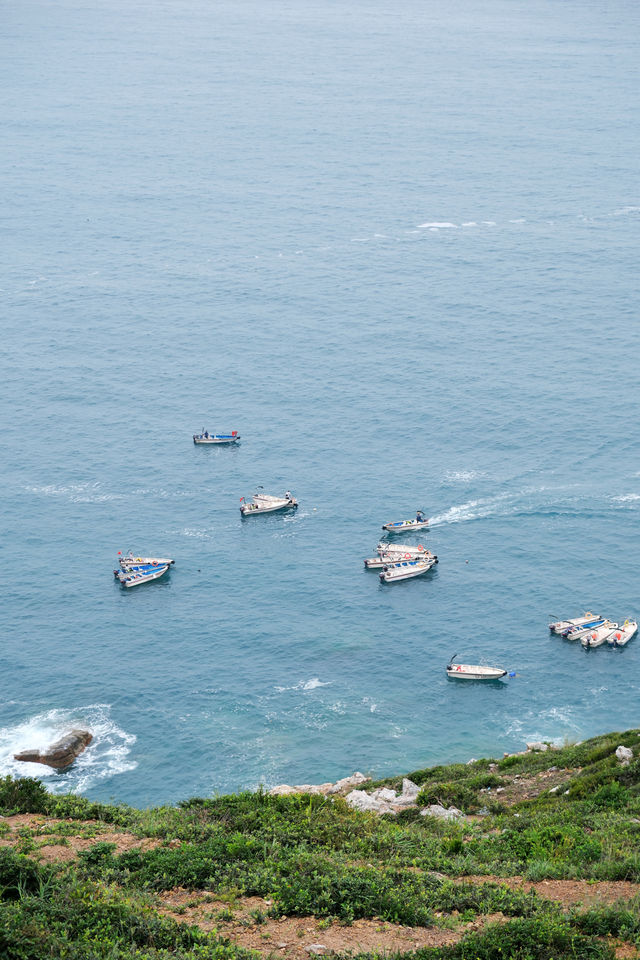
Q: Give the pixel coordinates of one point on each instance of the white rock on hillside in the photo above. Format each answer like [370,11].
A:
[360,800]
[538,747]
[436,810]
[624,755]
[349,783]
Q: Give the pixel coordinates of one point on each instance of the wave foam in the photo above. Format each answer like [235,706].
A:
[106,755]
[438,225]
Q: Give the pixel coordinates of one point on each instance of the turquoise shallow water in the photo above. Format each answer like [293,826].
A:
[395,246]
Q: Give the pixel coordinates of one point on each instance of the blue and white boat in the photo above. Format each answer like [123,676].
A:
[561,625]
[407,526]
[577,633]
[132,561]
[208,438]
[264,503]
[143,573]
[406,570]
[409,553]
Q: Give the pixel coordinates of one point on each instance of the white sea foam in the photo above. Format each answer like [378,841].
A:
[623,211]
[489,223]
[472,510]
[519,220]
[462,476]
[470,223]
[626,498]
[438,225]
[106,755]
[312,684]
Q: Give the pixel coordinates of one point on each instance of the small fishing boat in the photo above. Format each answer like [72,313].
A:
[561,625]
[578,632]
[263,503]
[468,671]
[393,572]
[206,437]
[384,559]
[400,548]
[131,561]
[621,636]
[144,573]
[406,526]
[595,638]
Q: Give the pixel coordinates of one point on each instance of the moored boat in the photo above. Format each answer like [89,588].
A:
[131,561]
[561,625]
[595,638]
[469,671]
[406,526]
[263,503]
[621,636]
[144,573]
[206,437]
[384,559]
[401,548]
[393,572]
[578,632]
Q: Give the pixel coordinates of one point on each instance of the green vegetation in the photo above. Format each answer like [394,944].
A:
[564,814]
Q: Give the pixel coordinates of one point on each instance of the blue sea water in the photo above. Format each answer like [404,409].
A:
[395,246]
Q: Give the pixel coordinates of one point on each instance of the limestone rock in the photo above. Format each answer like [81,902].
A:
[437,810]
[360,800]
[537,747]
[61,753]
[348,783]
[624,755]
[410,789]
[318,949]
[384,793]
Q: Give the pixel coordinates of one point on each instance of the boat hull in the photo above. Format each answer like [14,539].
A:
[377,563]
[207,441]
[252,510]
[561,625]
[621,636]
[405,526]
[405,570]
[135,576]
[131,561]
[466,671]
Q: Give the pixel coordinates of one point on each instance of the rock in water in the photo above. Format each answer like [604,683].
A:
[61,753]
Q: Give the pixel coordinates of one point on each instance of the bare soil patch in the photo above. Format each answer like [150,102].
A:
[80,835]
[568,893]
[291,937]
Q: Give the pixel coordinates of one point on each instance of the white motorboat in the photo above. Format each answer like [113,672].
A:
[405,569]
[134,576]
[468,671]
[206,437]
[401,548]
[577,633]
[131,561]
[621,636]
[377,563]
[406,526]
[595,638]
[561,625]
[263,503]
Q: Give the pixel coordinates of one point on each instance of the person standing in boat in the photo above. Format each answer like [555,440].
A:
[287,495]
[420,518]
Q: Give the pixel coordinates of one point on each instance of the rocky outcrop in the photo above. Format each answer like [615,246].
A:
[624,755]
[442,813]
[384,799]
[60,754]
[341,787]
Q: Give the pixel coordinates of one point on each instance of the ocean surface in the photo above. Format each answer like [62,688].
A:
[395,246]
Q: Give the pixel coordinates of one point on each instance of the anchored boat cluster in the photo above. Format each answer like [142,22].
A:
[595,631]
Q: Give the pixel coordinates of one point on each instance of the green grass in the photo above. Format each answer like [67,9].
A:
[314,855]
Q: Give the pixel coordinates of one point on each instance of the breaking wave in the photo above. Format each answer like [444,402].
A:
[107,754]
